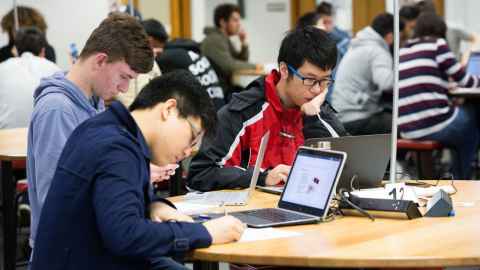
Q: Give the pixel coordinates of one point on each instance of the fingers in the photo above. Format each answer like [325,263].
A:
[313,107]
[158,174]
[172,166]
[185,218]
[283,177]
[156,218]
[237,229]
[225,229]
[285,169]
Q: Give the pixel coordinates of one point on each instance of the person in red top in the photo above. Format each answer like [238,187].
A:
[289,102]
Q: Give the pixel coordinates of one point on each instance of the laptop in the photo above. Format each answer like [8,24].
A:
[234,197]
[368,157]
[309,190]
[277,190]
[473,65]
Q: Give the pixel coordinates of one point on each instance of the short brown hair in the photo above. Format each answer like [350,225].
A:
[27,17]
[121,37]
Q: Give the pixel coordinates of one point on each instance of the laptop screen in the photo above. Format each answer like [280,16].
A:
[368,157]
[312,178]
[473,66]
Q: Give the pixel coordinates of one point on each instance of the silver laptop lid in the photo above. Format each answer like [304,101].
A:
[258,162]
[312,181]
[473,65]
[368,157]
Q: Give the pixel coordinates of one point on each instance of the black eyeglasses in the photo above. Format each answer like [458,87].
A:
[197,136]
[323,83]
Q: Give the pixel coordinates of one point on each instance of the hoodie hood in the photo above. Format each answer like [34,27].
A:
[59,84]
[183,43]
[368,37]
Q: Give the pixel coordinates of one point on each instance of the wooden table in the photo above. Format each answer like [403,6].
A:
[245,76]
[359,242]
[13,146]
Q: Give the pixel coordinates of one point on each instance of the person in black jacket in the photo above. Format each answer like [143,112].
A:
[289,103]
[185,54]
[27,16]
[100,212]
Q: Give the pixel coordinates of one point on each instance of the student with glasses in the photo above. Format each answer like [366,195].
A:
[100,212]
[289,102]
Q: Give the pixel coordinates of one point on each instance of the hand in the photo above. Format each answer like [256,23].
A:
[242,35]
[225,229]
[259,68]
[321,25]
[159,174]
[313,106]
[278,174]
[161,212]
[157,51]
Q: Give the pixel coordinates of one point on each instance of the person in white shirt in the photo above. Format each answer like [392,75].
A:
[20,76]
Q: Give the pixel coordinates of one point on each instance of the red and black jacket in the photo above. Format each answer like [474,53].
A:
[227,161]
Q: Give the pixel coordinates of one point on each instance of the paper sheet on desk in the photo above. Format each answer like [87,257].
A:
[264,234]
[190,208]
[429,191]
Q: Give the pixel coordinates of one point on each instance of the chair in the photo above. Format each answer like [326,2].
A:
[424,154]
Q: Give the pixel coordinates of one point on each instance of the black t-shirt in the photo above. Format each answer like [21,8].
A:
[181,58]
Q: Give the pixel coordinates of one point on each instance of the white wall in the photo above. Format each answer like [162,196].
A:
[157,9]
[464,15]
[343,13]
[265,29]
[68,21]
[199,19]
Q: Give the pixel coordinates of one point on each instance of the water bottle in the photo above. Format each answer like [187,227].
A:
[73,52]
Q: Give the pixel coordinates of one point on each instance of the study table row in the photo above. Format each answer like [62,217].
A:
[343,242]
[357,242]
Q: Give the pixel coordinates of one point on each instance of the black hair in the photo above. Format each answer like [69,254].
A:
[430,24]
[308,44]
[409,12]
[325,9]
[30,39]
[383,24]
[223,12]
[308,19]
[155,29]
[426,6]
[181,85]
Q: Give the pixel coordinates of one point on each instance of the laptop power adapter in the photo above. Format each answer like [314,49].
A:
[382,208]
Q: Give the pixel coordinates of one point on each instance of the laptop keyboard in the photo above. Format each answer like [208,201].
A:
[269,215]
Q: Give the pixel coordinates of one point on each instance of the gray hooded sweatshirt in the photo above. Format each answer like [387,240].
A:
[59,107]
[364,72]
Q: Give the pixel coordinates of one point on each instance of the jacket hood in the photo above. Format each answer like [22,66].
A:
[59,84]
[368,37]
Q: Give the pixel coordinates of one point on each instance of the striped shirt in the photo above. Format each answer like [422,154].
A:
[426,65]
